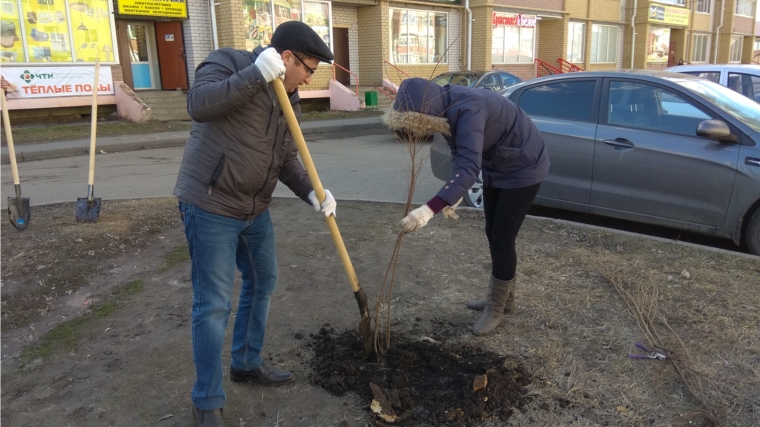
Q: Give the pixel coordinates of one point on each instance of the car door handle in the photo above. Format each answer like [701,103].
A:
[752,161]
[619,143]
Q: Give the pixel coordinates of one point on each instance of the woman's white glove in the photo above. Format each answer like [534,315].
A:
[417,218]
[449,212]
[328,206]
[270,64]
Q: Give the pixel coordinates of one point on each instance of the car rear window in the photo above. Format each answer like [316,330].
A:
[571,100]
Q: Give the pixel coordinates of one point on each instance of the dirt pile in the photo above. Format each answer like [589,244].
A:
[425,382]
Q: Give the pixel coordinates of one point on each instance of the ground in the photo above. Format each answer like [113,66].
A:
[96,325]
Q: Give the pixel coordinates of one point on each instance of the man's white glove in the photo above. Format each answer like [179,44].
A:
[270,64]
[449,212]
[328,206]
[417,218]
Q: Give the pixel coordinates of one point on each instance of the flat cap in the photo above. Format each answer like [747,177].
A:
[299,37]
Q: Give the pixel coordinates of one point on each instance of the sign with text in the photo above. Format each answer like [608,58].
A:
[45,82]
[520,20]
[669,15]
[165,8]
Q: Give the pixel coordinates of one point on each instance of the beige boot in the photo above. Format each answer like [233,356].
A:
[499,293]
[509,307]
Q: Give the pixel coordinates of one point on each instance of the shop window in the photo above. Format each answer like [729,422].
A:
[604,43]
[48,28]
[736,48]
[576,39]
[703,6]
[513,39]
[745,8]
[418,36]
[700,48]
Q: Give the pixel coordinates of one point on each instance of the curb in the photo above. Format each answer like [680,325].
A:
[52,150]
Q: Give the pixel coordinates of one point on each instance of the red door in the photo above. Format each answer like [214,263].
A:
[171,55]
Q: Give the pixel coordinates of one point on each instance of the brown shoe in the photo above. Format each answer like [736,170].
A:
[264,374]
[211,418]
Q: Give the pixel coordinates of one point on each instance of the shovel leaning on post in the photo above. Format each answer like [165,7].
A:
[365,327]
[19,208]
[88,208]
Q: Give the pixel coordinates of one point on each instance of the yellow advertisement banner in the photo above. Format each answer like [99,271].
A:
[91,24]
[165,8]
[669,15]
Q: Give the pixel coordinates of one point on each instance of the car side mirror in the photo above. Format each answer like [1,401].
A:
[715,129]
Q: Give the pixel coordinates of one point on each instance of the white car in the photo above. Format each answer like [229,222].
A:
[741,78]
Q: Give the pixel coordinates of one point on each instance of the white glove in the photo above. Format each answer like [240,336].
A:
[270,64]
[417,218]
[328,206]
[449,212]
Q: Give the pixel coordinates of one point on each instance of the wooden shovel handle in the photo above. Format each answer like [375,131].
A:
[94,124]
[295,131]
[9,138]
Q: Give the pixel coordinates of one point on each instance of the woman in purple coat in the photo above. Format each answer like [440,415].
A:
[486,133]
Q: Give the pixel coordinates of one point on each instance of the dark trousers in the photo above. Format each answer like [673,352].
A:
[505,211]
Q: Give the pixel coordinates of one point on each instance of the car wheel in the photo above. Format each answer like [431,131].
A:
[753,233]
[474,196]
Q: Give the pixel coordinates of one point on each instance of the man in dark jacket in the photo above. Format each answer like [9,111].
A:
[239,147]
[485,132]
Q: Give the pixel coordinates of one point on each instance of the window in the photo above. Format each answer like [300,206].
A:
[513,39]
[713,76]
[647,107]
[418,36]
[491,82]
[568,100]
[703,6]
[756,46]
[745,8]
[678,2]
[736,49]
[746,84]
[603,43]
[576,39]
[508,80]
[700,48]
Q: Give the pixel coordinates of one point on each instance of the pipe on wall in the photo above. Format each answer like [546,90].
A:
[633,31]
[469,34]
[717,30]
[214,36]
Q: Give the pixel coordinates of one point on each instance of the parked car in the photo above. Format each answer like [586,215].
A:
[649,146]
[741,78]
[494,80]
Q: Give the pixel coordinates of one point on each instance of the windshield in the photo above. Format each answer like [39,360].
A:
[735,104]
[455,79]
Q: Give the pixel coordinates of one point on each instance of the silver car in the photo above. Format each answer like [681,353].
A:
[649,146]
[741,78]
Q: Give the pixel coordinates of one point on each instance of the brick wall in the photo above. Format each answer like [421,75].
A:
[456,33]
[525,72]
[577,9]
[553,36]
[743,25]
[530,4]
[230,24]
[197,34]
[606,10]
[482,34]
[373,42]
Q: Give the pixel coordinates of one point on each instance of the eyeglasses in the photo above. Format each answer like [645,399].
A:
[311,71]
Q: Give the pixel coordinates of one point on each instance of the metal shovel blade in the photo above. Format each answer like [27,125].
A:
[88,210]
[19,211]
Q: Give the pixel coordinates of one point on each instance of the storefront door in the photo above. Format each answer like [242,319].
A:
[340,50]
[171,55]
[140,55]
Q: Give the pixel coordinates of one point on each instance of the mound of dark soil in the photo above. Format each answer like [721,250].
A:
[425,382]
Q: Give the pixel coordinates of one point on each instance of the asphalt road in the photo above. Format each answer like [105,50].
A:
[371,166]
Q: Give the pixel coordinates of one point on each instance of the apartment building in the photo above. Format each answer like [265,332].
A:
[155,44]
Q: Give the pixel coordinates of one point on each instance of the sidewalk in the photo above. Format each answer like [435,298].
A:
[50,150]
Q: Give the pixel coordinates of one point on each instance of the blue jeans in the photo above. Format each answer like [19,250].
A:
[217,243]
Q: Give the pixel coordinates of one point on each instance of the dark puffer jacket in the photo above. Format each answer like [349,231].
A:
[488,132]
[240,144]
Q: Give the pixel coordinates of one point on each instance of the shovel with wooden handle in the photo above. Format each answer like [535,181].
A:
[19,208]
[87,209]
[365,328]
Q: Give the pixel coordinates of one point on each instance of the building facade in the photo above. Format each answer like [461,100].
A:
[157,44]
